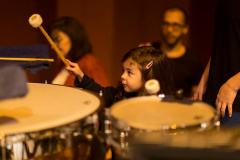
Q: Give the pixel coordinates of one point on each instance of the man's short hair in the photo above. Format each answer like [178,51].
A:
[177,8]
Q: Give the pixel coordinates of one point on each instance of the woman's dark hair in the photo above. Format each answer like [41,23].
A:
[161,69]
[77,35]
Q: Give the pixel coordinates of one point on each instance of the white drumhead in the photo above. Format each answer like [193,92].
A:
[151,113]
[47,106]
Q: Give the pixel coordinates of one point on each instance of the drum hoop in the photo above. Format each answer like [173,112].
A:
[41,134]
[208,125]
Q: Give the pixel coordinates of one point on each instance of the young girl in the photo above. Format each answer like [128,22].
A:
[139,65]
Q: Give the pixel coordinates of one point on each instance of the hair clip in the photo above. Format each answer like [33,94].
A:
[149,65]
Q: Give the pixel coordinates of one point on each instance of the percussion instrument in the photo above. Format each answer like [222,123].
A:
[130,118]
[47,121]
[26,59]
[36,21]
[211,144]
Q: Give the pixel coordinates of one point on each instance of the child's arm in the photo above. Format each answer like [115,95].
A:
[85,82]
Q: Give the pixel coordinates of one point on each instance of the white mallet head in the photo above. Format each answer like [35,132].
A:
[35,20]
[152,86]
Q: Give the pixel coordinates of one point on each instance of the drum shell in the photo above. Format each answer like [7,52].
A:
[51,142]
[61,139]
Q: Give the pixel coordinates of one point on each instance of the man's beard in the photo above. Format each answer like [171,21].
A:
[173,44]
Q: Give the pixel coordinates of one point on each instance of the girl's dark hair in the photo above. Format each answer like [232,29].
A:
[161,69]
[77,35]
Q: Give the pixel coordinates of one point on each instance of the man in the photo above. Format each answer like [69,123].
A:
[187,66]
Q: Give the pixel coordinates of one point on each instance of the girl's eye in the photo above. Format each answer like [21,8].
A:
[129,72]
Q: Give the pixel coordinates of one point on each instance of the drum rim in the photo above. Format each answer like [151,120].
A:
[209,125]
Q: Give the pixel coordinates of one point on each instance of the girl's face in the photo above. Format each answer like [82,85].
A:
[62,41]
[131,77]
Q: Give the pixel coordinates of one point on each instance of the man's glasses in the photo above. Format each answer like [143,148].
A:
[175,26]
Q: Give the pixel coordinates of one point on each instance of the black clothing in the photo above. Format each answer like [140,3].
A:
[225,60]
[90,84]
[187,70]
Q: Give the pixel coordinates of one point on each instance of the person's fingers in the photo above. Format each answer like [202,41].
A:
[68,68]
[200,97]
[68,61]
[197,96]
[230,110]
[223,109]
[218,106]
[71,63]
[216,102]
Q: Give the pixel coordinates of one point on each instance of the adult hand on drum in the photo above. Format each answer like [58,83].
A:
[75,70]
[202,86]
[200,91]
[227,94]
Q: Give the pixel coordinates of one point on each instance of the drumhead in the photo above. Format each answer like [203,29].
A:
[47,106]
[151,113]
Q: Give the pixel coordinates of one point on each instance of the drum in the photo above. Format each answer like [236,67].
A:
[49,122]
[210,144]
[149,114]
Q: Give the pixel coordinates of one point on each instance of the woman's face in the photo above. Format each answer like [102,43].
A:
[62,41]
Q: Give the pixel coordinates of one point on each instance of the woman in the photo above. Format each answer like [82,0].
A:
[71,39]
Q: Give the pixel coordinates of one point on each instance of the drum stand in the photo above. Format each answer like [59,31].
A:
[3,148]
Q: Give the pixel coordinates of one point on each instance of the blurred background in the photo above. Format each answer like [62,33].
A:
[113,26]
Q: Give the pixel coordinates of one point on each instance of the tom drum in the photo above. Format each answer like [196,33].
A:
[168,116]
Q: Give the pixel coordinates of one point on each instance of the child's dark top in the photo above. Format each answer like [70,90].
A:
[90,84]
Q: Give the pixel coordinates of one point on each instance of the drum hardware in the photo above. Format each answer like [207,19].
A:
[108,126]
[35,21]
[3,143]
[100,93]
[179,94]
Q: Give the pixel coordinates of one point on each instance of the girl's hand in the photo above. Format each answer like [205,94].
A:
[75,70]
